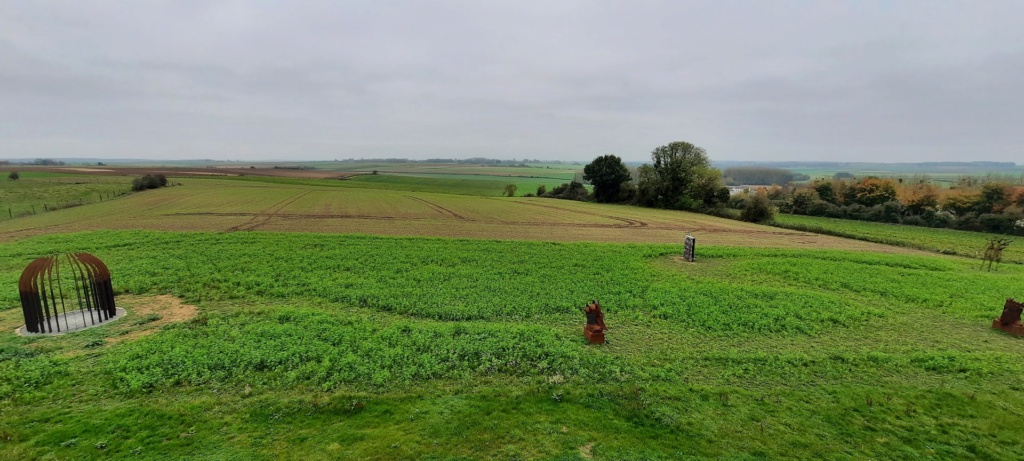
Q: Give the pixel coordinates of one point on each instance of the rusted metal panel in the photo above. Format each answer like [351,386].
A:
[1010,320]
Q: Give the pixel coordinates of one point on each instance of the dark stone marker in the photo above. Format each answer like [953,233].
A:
[689,247]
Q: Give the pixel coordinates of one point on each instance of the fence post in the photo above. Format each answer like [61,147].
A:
[33,209]
[10,214]
[46,208]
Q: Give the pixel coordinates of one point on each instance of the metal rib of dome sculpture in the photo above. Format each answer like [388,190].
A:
[66,293]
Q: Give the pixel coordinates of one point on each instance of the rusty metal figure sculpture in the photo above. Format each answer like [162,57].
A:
[56,290]
[594,329]
[994,252]
[1010,320]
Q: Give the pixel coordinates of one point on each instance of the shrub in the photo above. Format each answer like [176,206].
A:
[541,190]
[1000,223]
[738,201]
[570,191]
[823,208]
[758,209]
[783,206]
[914,221]
[14,176]
[149,181]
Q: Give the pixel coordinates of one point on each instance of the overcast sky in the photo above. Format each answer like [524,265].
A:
[899,81]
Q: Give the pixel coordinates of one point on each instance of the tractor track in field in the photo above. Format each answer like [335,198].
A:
[438,208]
[265,216]
[294,216]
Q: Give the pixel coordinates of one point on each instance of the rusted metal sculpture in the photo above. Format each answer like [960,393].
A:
[1010,320]
[994,252]
[594,329]
[66,292]
[689,247]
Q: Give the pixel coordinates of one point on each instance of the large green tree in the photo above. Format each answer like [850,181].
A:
[685,178]
[607,173]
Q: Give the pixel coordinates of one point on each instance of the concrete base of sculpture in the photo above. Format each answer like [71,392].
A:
[72,322]
[1016,329]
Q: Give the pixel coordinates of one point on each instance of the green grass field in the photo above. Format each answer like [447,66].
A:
[36,192]
[386,320]
[388,348]
[947,241]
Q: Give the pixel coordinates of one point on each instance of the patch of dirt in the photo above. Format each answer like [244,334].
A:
[169,308]
[587,451]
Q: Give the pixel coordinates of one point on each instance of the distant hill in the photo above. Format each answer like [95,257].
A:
[921,167]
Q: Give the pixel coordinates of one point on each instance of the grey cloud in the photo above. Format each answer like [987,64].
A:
[884,81]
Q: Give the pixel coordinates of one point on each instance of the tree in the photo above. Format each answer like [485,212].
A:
[541,190]
[920,198]
[874,191]
[825,190]
[961,204]
[993,198]
[14,176]
[846,192]
[607,173]
[803,199]
[758,209]
[648,186]
[510,190]
[686,179]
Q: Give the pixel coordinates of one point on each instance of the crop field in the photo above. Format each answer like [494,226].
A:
[377,318]
[279,204]
[947,241]
[319,346]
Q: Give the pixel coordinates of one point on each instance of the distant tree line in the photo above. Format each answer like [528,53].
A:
[47,162]
[470,161]
[968,205]
[737,176]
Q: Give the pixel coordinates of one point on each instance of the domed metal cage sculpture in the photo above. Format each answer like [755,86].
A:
[66,293]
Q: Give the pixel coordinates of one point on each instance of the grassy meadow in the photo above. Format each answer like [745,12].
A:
[345,322]
[36,192]
[946,241]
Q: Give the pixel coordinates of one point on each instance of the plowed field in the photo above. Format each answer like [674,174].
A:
[238,206]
